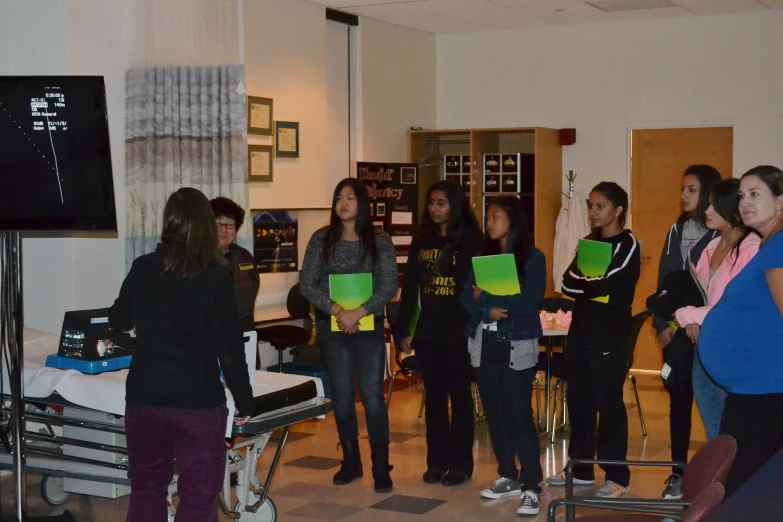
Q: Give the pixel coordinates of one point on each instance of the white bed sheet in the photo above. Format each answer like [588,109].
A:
[106,391]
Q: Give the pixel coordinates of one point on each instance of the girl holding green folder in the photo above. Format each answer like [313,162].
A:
[351,245]
[503,338]
[437,268]
[597,349]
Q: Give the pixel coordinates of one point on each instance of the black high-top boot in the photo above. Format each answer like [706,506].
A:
[381,467]
[351,468]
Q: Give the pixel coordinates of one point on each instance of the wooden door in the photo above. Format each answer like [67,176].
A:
[658,159]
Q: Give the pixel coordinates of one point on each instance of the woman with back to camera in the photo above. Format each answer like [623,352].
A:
[438,264]
[181,301]
[229,218]
[686,239]
[720,262]
[351,245]
[503,333]
[740,339]
[598,340]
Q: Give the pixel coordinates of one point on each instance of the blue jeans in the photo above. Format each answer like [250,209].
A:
[363,355]
[710,398]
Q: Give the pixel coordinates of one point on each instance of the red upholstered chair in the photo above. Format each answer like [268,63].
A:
[709,465]
[699,509]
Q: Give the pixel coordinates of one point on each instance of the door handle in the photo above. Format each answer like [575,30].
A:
[646,258]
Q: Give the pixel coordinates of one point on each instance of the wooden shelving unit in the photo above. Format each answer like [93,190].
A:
[427,149]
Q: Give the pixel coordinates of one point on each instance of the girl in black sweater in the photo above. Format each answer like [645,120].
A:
[438,265]
[685,242]
[597,352]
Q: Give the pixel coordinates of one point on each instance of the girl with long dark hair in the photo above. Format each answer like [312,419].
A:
[721,261]
[438,264]
[181,301]
[351,245]
[503,345]
[687,239]
[598,341]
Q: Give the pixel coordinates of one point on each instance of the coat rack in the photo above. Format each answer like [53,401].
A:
[571,177]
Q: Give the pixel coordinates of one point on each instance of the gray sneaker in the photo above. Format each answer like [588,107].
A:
[560,480]
[501,488]
[611,489]
[673,489]
[531,503]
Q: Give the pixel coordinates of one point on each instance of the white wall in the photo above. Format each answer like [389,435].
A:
[398,87]
[60,37]
[604,79]
[285,59]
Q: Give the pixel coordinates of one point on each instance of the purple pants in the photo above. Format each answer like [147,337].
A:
[158,436]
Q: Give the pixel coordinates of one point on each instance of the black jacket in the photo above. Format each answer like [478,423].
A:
[442,317]
[671,261]
[184,327]
[619,284]
[246,282]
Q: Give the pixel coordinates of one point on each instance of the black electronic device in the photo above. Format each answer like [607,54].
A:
[86,336]
[55,161]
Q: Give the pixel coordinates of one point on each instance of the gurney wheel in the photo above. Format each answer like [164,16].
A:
[52,491]
[266,513]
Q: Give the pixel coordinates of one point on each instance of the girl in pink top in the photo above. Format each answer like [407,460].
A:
[722,259]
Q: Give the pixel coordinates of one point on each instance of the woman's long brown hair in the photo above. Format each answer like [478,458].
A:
[189,233]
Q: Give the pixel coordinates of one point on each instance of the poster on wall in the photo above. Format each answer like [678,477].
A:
[394,201]
[275,241]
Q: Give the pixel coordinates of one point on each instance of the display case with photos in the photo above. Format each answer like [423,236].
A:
[452,164]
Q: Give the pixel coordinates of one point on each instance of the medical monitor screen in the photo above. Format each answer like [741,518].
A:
[55,162]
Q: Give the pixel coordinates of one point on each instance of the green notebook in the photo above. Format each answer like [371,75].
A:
[497,275]
[593,259]
[350,291]
[415,319]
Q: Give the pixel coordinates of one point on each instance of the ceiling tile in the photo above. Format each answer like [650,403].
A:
[611,6]
[560,12]
[519,4]
[416,16]
[475,10]
[720,6]
[652,14]
[351,3]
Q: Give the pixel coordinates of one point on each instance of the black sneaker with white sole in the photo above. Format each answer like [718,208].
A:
[531,503]
[673,489]
[502,487]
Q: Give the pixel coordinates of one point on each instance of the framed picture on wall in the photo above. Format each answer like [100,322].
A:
[259,116]
[286,139]
[259,163]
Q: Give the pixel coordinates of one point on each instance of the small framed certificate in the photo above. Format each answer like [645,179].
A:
[287,139]
[259,116]
[259,163]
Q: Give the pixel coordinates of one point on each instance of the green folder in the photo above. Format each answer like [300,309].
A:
[351,291]
[415,319]
[497,275]
[593,259]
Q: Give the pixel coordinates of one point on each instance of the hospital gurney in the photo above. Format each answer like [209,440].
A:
[88,454]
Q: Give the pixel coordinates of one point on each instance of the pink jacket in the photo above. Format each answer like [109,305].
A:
[714,287]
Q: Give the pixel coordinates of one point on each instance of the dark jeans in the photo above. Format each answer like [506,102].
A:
[681,407]
[596,370]
[363,355]
[757,424]
[507,398]
[158,436]
[447,373]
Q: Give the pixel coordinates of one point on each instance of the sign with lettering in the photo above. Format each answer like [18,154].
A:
[394,200]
